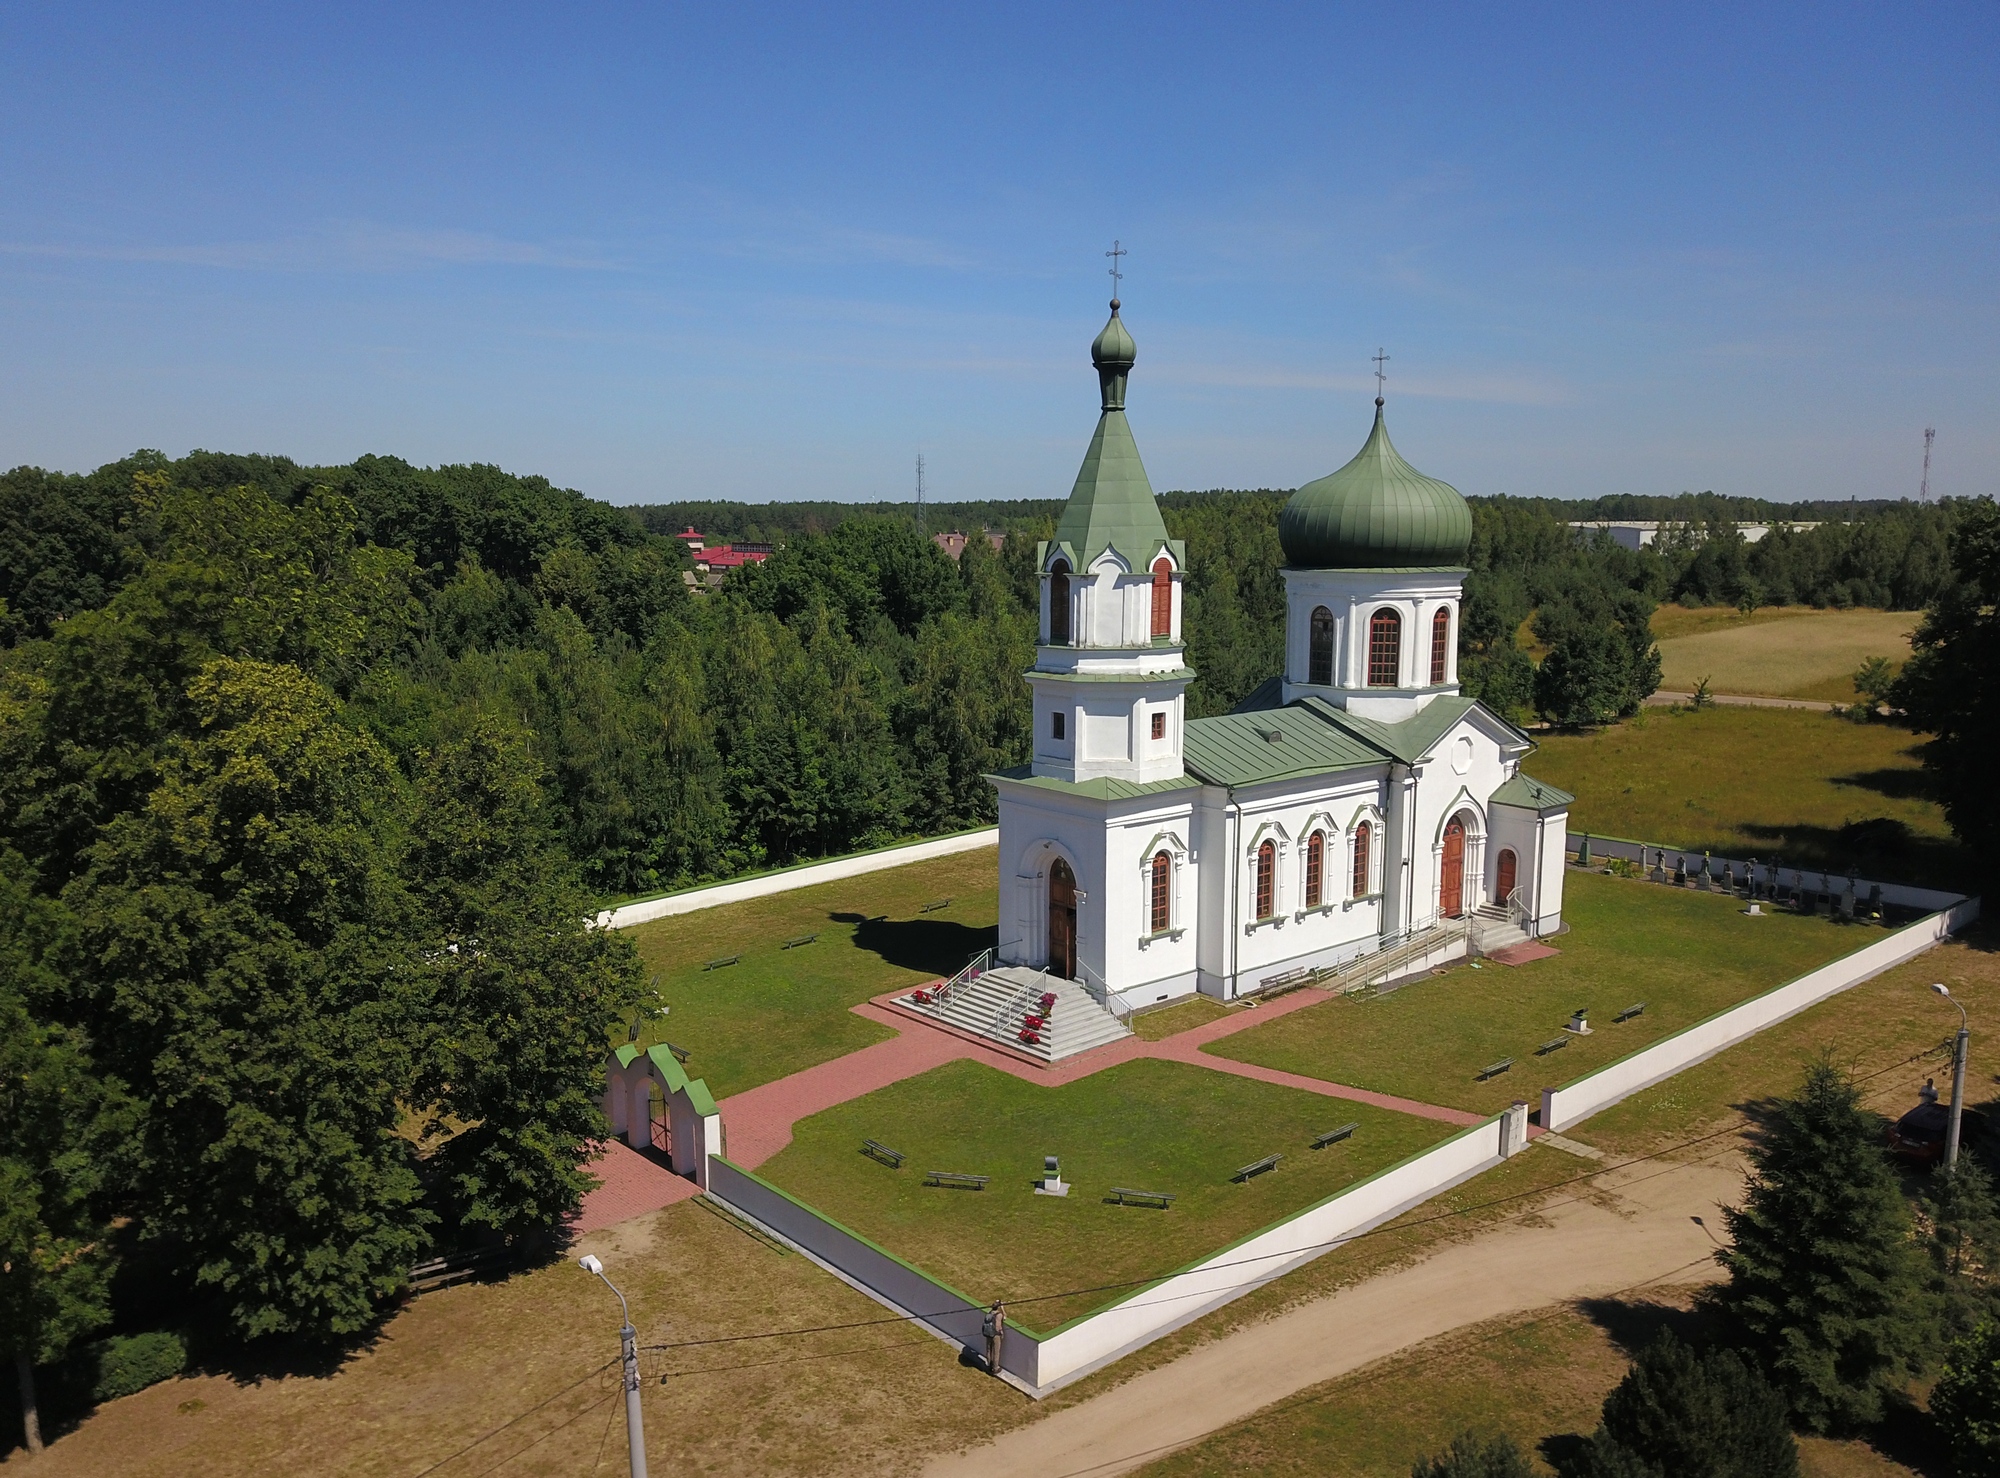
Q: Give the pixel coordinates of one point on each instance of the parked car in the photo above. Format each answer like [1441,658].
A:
[1919,1135]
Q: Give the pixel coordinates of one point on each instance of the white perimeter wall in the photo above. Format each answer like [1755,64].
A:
[794,877]
[1564,1107]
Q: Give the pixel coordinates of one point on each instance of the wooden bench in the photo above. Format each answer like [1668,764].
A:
[801,940]
[725,960]
[680,1053]
[1269,1162]
[934,905]
[1553,1044]
[951,1180]
[874,1149]
[1124,1195]
[1630,1011]
[1494,1069]
[1334,1136]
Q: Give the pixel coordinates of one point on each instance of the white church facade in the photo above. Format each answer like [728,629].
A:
[1352,803]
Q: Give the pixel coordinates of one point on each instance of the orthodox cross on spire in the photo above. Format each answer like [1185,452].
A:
[1115,253]
[1379,359]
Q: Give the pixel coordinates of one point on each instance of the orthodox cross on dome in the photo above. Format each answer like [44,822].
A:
[1379,359]
[1115,253]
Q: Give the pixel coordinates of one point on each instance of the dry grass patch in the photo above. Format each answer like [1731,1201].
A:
[1787,652]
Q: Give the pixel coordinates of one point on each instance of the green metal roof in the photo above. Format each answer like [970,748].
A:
[1237,748]
[1103,788]
[1111,505]
[1408,740]
[1376,513]
[1531,795]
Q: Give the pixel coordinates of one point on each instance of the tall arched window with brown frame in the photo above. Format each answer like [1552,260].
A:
[1319,649]
[1163,901]
[1364,834]
[1267,879]
[1059,604]
[1315,868]
[1163,597]
[1440,644]
[1385,649]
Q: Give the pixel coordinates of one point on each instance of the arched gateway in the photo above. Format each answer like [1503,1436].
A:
[1062,920]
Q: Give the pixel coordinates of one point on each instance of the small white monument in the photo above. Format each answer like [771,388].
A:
[1052,1181]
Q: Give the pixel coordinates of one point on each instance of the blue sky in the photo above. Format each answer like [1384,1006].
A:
[774,253]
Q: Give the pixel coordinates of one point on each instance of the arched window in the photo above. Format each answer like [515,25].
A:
[1163,876]
[1163,597]
[1385,649]
[1440,644]
[1319,661]
[1059,604]
[1363,834]
[1267,879]
[1315,867]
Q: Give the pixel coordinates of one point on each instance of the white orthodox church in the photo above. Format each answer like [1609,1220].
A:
[1353,804]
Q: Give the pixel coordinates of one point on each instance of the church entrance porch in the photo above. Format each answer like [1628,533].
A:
[1062,920]
[1451,871]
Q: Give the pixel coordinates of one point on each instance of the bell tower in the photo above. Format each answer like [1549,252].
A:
[1110,670]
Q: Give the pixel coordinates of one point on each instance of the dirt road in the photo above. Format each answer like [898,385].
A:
[1639,1228]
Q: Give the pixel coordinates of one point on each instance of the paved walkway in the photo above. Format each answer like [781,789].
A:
[1740,700]
[758,1121]
[1635,1227]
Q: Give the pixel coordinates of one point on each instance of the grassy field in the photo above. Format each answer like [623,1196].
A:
[1167,1021]
[1817,790]
[1686,954]
[1376,1422]
[1779,652]
[779,1010]
[1161,1126]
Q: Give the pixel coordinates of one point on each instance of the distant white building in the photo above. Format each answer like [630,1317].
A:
[1640,532]
[1351,803]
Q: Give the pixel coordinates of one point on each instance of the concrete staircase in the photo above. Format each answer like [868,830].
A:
[1494,928]
[993,1005]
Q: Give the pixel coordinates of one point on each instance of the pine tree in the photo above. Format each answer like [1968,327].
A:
[1965,1243]
[1825,1281]
[1676,1415]
[1468,1457]
[1965,1403]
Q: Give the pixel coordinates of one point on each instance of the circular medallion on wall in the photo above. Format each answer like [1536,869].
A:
[1461,755]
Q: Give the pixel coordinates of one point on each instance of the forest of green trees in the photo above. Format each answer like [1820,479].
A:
[311,776]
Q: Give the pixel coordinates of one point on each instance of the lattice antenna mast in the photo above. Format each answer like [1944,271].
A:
[920,495]
[1924,488]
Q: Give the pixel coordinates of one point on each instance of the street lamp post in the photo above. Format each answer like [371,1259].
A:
[1957,1080]
[628,1337]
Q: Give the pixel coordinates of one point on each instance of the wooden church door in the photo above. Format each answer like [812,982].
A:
[1062,920]
[1451,885]
[1509,868]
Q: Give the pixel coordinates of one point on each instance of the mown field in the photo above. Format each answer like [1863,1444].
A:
[1158,1126]
[1816,790]
[778,1010]
[1779,651]
[1685,955]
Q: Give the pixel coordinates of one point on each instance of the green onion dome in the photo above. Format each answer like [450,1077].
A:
[1114,354]
[1378,512]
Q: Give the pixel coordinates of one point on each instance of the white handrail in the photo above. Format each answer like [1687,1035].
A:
[1105,996]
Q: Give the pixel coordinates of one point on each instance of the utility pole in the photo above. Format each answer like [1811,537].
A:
[1924,488]
[920,495]
[1961,1046]
[628,1341]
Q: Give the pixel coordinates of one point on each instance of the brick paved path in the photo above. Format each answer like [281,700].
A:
[757,1123]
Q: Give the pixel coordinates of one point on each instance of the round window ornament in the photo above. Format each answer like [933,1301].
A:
[1461,755]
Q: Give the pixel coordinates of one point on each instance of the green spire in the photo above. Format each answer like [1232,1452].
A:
[1111,506]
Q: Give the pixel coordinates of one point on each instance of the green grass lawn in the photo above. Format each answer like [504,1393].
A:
[1167,1021]
[1686,954]
[1818,790]
[1158,1126]
[779,1010]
